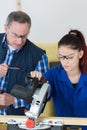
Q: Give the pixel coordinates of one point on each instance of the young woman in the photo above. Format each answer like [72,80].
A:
[69,79]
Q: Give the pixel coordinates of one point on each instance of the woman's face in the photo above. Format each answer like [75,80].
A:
[69,57]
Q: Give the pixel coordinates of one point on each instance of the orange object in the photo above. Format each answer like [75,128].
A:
[30,123]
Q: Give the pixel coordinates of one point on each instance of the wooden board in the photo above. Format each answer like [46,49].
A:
[66,120]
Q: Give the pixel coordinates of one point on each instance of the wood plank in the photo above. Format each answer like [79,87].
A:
[4,118]
[69,121]
[66,120]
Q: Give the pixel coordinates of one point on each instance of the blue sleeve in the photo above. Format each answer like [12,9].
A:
[42,65]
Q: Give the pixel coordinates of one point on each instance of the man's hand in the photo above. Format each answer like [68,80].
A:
[3,69]
[6,100]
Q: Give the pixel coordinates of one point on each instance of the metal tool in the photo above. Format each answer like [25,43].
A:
[36,94]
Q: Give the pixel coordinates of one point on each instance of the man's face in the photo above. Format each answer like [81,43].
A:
[17,34]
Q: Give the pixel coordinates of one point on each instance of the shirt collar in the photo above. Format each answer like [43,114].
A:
[4,42]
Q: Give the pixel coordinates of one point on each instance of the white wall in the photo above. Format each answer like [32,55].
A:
[51,19]
[6,7]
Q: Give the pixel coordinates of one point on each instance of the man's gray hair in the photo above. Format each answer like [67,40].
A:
[18,16]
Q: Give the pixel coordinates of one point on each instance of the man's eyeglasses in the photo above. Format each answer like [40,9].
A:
[14,35]
[62,57]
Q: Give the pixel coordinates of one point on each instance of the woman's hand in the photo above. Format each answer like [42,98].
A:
[36,74]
